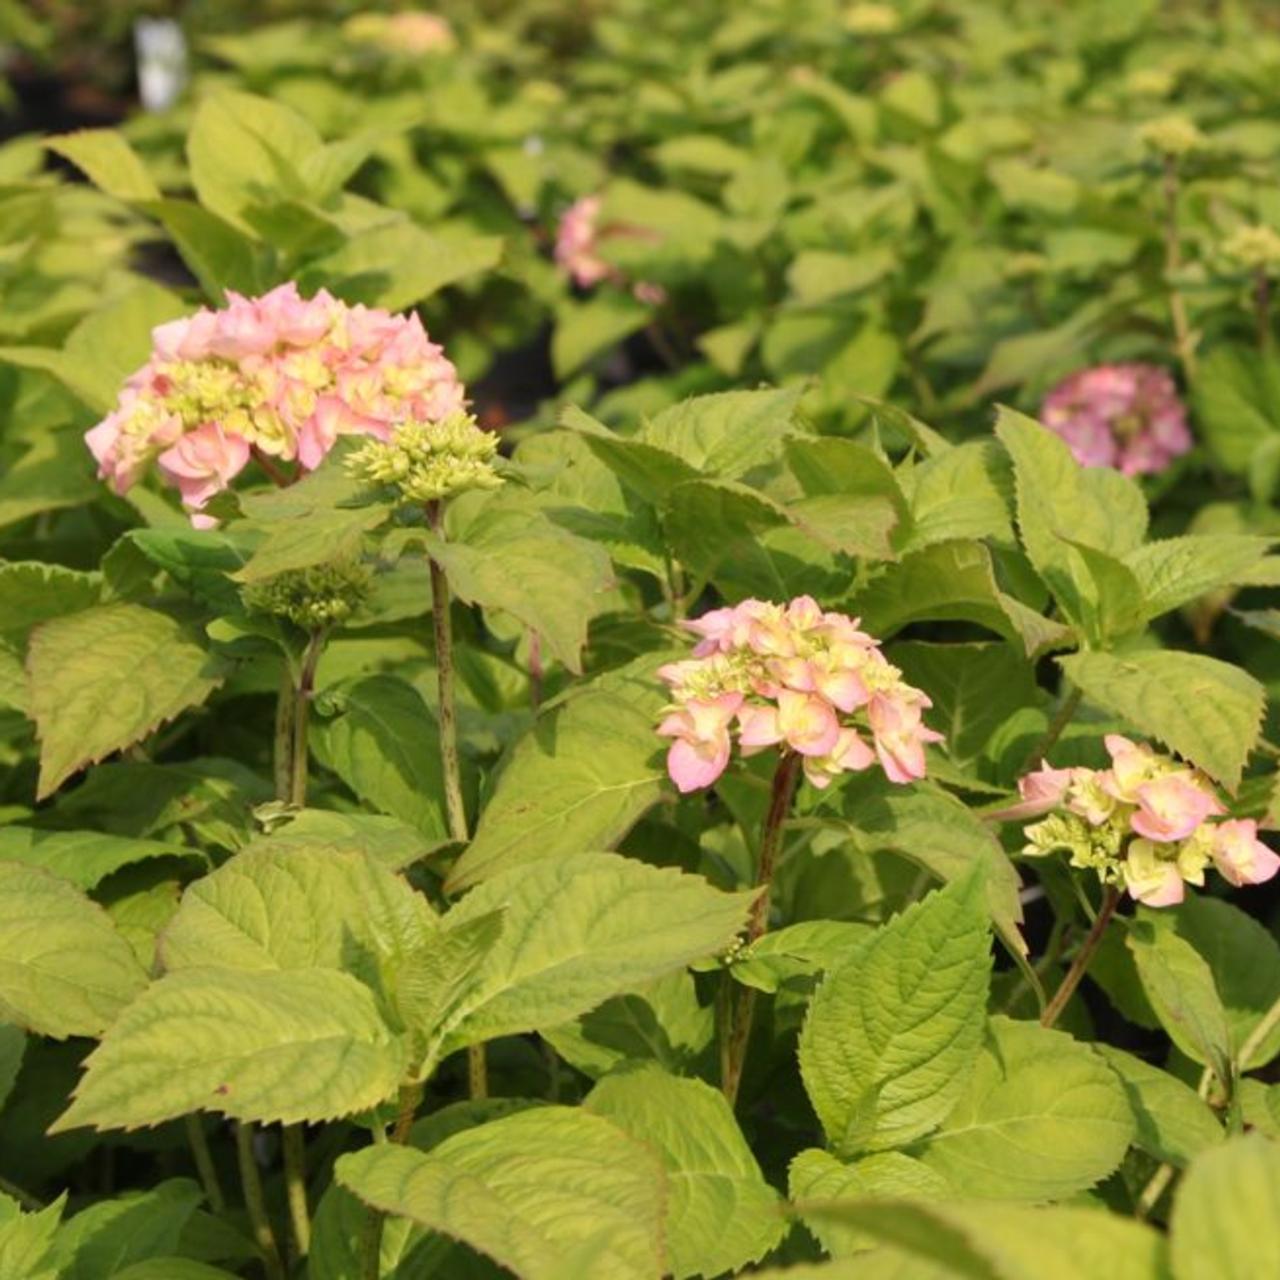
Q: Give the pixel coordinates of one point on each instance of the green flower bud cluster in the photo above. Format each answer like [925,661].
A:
[1257,248]
[1088,846]
[321,596]
[871,19]
[1172,136]
[427,461]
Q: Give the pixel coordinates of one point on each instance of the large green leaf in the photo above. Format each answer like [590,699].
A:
[1180,985]
[578,779]
[64,970]
[533,1191]
[646,469]
[505,554]
[721,1213]
[894,1030]
[726,434]
[27,1241]
[289,1045]
[939,833]
[104,678]
[1237,400]
[1244,959]
[33,593]
[954,582]
[975,1241]
[579,930]
[109,1236]
[86,857]
[1226,1217]
[1174,1123]
[383,744]
[297,908]
[818,1176]
[960,493]
[1036,1091]
[974,687]
[1208,711]
[1174,571]
[108,161]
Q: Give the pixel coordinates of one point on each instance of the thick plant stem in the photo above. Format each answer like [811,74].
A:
[282,753]
[740,1011]
[295,1182]
[255,1202]
[200,1152]
[450,763]
[302,695]
[447,715]
[1053,1010]
[1182,338]
[1070,704]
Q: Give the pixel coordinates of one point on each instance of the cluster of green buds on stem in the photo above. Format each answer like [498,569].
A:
[428,461]
[324,595]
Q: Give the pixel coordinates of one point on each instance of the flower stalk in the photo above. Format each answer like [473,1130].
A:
[255,1202]
[1080,964]
[740,1006]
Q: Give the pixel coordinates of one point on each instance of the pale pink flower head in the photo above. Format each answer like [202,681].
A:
[281,375]
[203,462]
[700,752]
[1041,791]
[795,678]
[1171,807]
[575,251]
[1126,416]
[1239,855]
[1150,879]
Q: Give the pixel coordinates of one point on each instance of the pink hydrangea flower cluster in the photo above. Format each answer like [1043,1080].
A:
[577,243]
[1126,416]
[281,376]
[793,677]
[1145,822]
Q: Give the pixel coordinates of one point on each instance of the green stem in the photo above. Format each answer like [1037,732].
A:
[1069,706]
[740,1012]
[295,1181]
[302,695]
[369,1265]
[1262,308]
[1053,1010]
[255,1202]
[282,752]
[450,763]
[1184,346]
[203,1157]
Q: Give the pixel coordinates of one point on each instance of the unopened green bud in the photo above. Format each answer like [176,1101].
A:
[1257,248]
[321,596]
[871,19]
[1172,136]
[427,461]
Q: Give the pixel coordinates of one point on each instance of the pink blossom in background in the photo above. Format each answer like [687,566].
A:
[1146,823]
[1126,416]
[281,376]
[578,238]
[796,678]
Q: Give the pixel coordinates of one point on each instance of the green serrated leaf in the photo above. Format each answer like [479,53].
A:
[108,161]
[818,1176]
[271,1045]
[1032,1090]
[1207,711]
[1173,1122]
[531,1191]
[728,433]
[579,930]
[1173,571]
[105,678]
[578,779]
[86,857]
[900,1022]
[721,1213]
[1226,1216]
[64,970]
